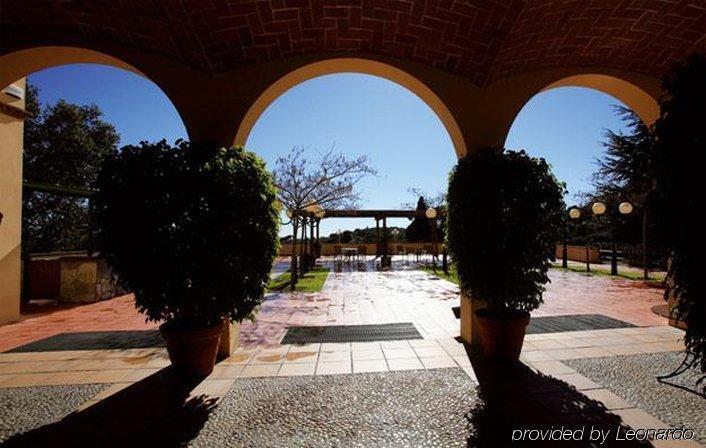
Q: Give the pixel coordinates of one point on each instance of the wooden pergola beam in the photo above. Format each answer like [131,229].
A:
[61,190]
[377,214]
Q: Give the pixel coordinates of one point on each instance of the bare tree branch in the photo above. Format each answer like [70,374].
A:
[328,179]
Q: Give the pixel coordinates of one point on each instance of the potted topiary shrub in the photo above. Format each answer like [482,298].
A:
[192,232]
[504,217]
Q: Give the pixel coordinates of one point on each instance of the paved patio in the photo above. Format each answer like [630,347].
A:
[555,380]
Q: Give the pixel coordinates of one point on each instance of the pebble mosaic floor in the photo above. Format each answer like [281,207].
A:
[26,408]
[633,378]
[414,408]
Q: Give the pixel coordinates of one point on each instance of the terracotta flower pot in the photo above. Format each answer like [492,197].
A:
[192,352]
[502,336]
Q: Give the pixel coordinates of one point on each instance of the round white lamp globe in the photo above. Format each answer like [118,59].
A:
[598,208]
[625,208]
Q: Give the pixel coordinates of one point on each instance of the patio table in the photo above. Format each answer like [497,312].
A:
[349,252]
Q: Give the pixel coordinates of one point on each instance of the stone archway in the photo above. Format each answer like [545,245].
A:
[352,65]
[637,99]
[14,67]
[503,100]
[21,63]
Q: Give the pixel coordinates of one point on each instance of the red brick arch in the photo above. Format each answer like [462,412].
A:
[481,40]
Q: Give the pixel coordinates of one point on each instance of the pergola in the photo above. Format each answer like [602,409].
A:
[380,216]
[222,63]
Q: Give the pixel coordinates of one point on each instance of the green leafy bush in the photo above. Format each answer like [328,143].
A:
[504,217]
[191,230]
[680,155]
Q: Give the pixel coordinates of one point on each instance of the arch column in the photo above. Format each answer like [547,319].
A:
[11,133]
[482,129]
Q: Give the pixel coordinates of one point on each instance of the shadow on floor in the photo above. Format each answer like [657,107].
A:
[514,398]
[94,340]
[157,411]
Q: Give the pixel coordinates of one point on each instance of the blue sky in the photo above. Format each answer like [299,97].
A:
[360,115]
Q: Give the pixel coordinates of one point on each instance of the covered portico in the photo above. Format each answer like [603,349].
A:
[222,64]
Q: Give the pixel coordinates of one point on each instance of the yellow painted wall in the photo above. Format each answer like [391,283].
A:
[11,132]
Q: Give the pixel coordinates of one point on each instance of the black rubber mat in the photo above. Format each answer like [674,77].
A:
[351,333]
[574,322]
[94,340]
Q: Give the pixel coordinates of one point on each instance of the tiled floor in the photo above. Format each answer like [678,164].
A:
[403,295]
[115,314]
[353,298]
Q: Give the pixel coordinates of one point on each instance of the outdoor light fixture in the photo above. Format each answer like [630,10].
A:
[14,91]
[625,208]
[598,208]
[431,215]
[575,214]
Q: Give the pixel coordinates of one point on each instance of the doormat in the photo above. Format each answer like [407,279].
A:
[574,322]
[94,340]
[351,333]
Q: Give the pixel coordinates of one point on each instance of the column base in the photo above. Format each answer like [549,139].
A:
[10,279]
[469,326]
[229,339]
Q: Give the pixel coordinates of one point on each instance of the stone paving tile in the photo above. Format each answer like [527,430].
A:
[437,362]
[333,367]
[577,380]
[297,369]
[368,355]
[552,367]
[394,353]
[259,370]
[370,365]
[224,371]
[608,398]
[334,356]
[404,363]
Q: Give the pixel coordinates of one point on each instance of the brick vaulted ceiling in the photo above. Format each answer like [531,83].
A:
[483,40]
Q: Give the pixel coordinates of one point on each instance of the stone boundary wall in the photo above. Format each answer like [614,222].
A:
[81,278]
[578,253]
